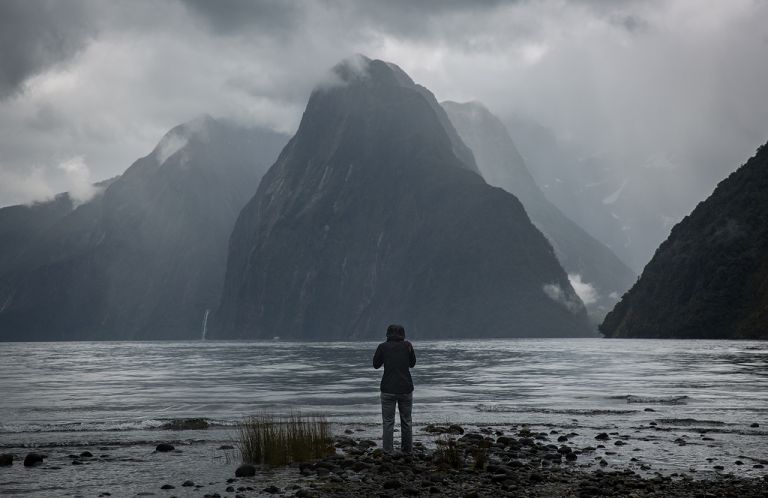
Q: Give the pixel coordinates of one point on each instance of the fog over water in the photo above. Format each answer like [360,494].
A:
[642,85]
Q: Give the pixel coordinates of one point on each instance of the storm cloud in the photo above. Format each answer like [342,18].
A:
[36,36]
[633,81]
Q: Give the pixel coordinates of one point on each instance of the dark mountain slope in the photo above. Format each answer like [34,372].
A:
[371,216]
[146,258]
[602,276]
[709,279]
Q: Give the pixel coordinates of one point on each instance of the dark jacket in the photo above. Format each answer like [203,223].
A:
[398,357]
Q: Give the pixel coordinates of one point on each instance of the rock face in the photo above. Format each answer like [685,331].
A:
[374,212]
[145,258]
[709,279]
[595,271]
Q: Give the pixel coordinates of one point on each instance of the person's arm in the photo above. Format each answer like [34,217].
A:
[378,358]
[411,354]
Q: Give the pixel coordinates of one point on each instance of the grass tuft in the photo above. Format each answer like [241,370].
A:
[480,455]
[266,439]
[448,453]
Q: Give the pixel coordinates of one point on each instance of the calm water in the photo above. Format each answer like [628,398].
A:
[118,396]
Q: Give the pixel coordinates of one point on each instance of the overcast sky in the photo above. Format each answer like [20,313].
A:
[88,86]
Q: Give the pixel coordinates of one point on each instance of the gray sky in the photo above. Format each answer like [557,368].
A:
[87,86]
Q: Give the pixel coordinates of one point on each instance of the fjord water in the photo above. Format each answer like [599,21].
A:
[704,397]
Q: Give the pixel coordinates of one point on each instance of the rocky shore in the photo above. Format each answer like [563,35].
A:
[488,463]
[481,462]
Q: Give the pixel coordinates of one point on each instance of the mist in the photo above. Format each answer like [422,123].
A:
[644,86]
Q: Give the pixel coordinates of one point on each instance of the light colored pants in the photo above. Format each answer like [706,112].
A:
[404,404]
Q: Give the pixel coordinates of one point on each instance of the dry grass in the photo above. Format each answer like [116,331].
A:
[480,455]
[270,440]
[448,453]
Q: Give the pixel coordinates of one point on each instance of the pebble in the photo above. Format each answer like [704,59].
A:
[164,447]
[392,484]
[6,459]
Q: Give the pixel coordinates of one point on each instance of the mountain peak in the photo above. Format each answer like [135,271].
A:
[360,84]
[179,136]
[375,210]
[359,69]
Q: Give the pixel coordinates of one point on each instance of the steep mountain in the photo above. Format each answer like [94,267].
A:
[145,258]
[374,213]
[595,272]
[709,279]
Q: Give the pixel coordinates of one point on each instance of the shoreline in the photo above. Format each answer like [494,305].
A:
[483,461]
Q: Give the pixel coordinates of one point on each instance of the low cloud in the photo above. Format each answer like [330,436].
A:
[25,188]
[634,79]
[81,188]
[570,301]
[169,145]
[35,36]
[586,292]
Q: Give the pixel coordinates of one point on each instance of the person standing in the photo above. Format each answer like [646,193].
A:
[398,357]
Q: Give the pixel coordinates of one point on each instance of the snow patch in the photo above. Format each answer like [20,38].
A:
[615,196]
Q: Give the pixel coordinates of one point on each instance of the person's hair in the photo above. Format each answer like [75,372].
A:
[396,331]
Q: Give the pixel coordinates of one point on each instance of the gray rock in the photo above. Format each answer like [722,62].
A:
[245,470]
[33,459]
[392,484]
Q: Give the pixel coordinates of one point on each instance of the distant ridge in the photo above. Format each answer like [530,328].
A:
[589,263]
[709,279]
[144,258]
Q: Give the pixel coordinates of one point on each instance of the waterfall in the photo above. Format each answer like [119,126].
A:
[205,324]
